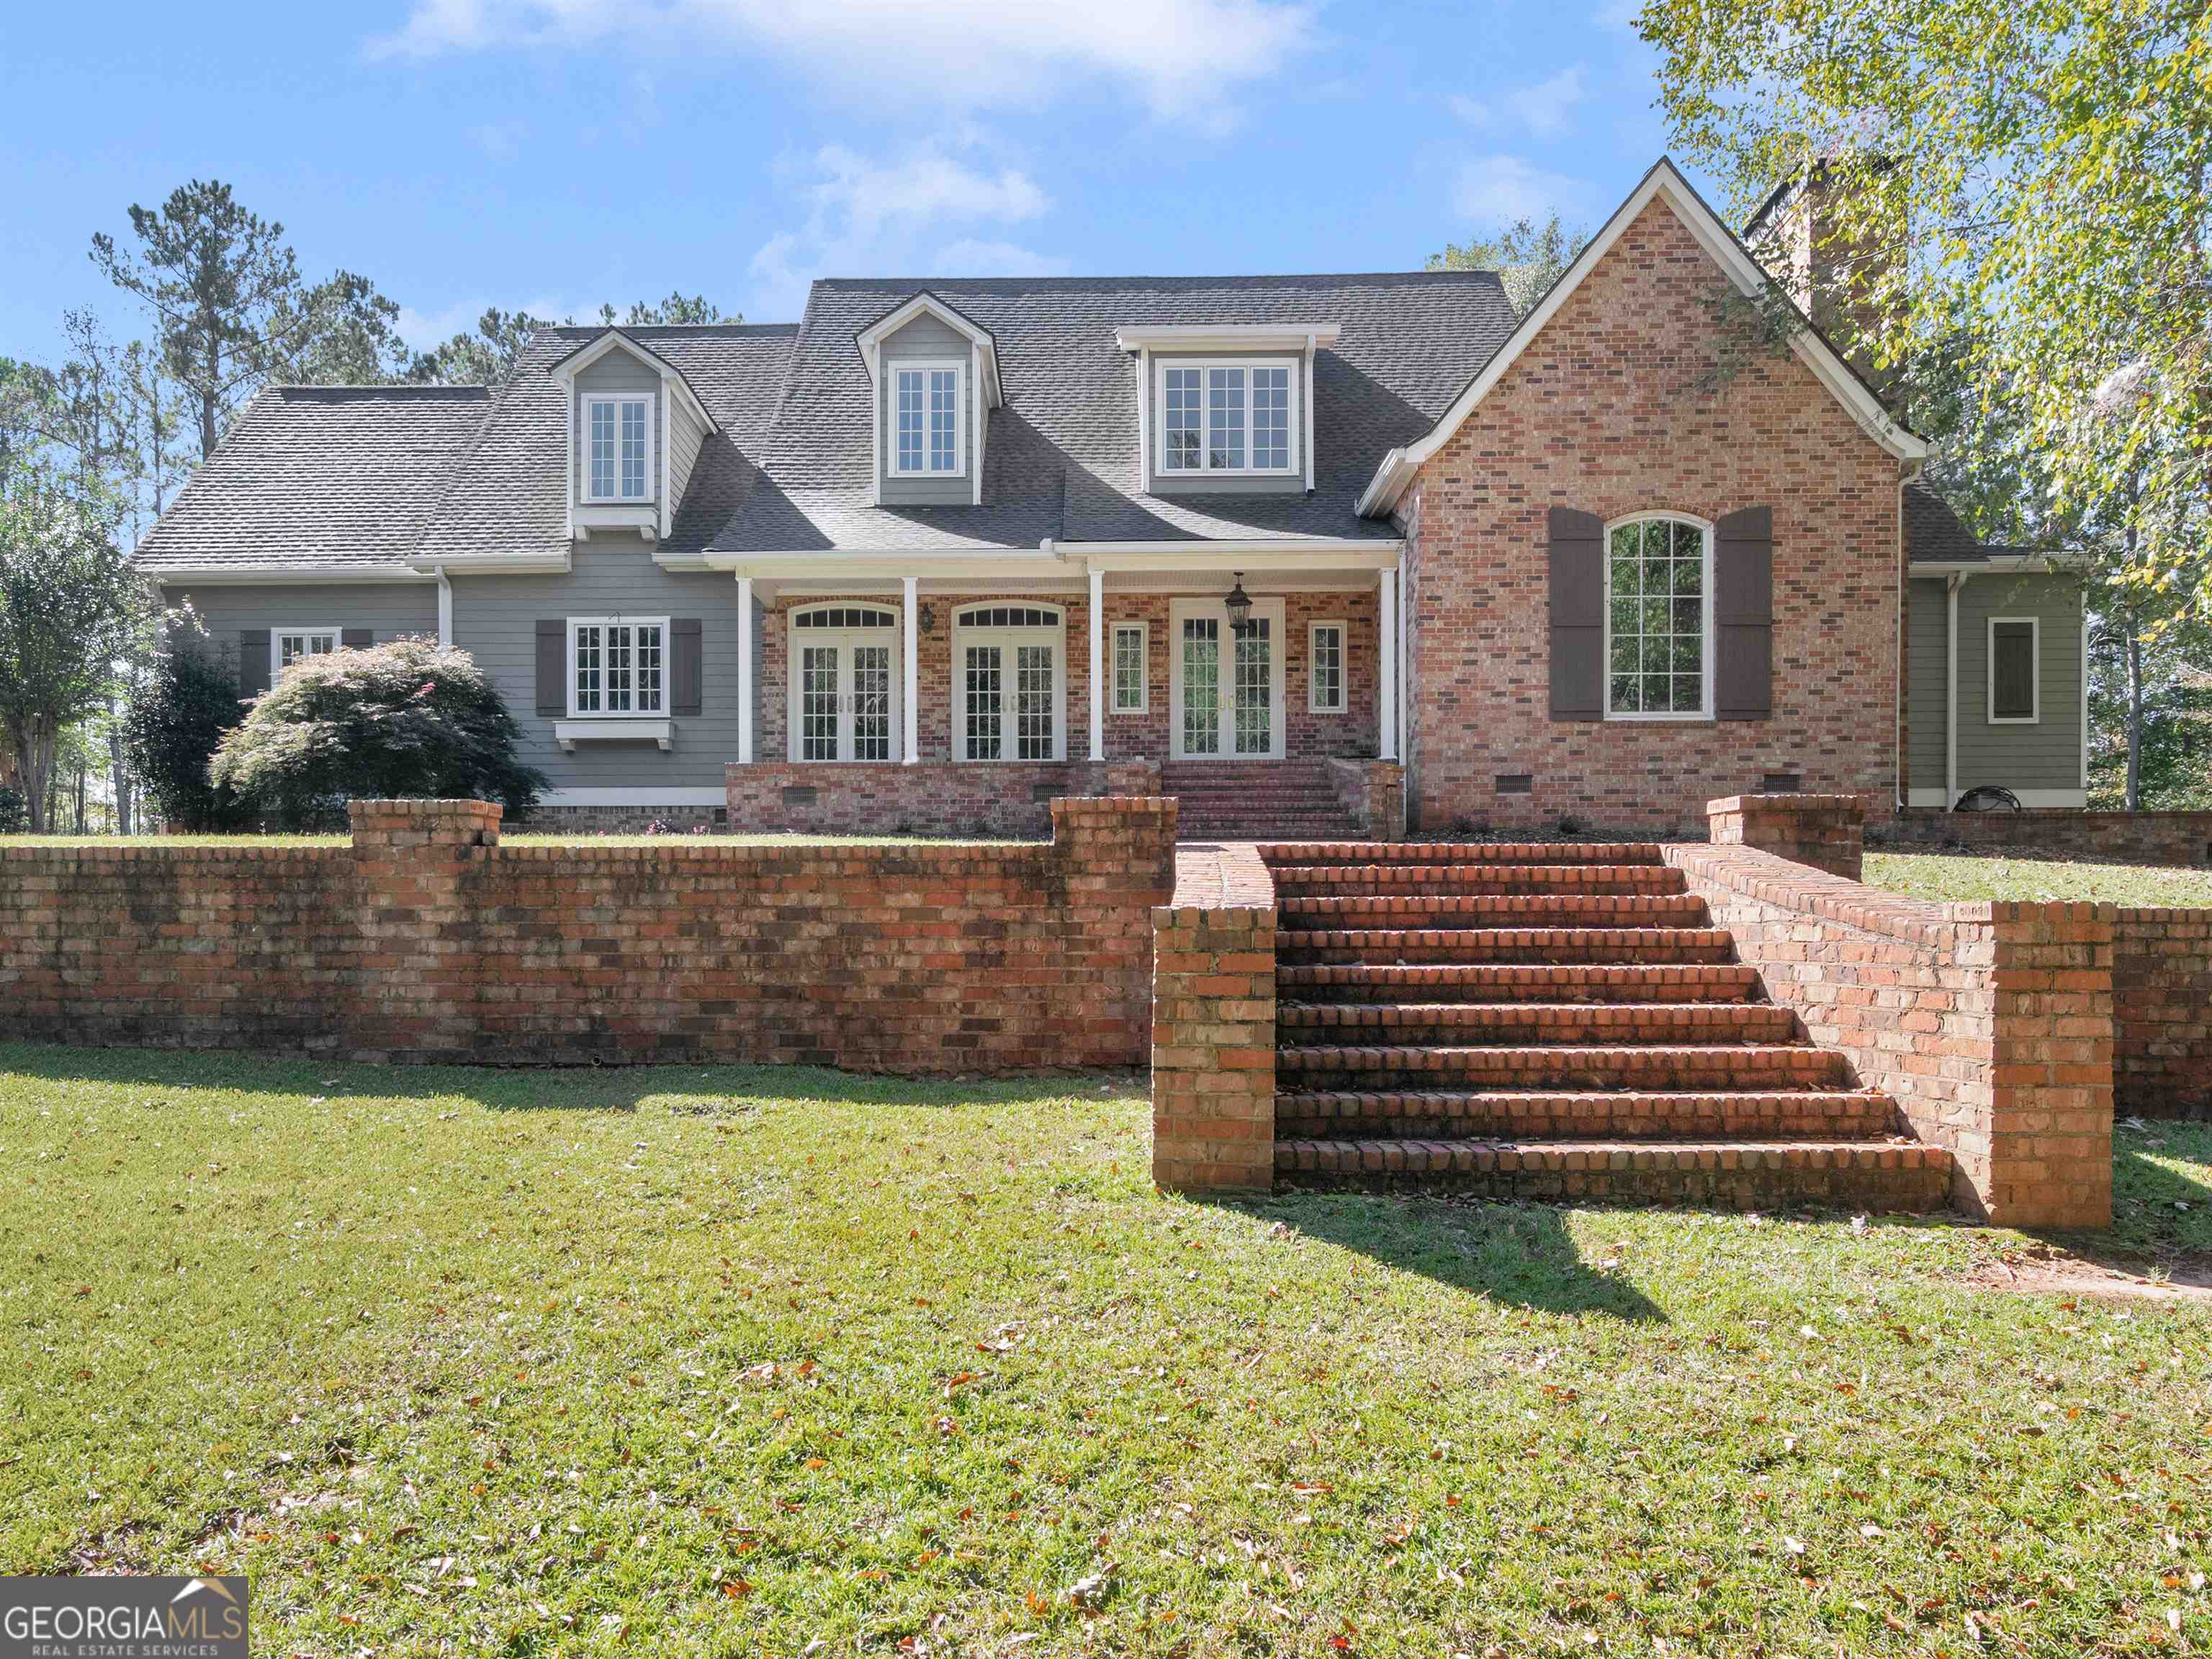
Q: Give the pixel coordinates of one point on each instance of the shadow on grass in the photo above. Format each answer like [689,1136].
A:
[588,1088]
[1519,1256]
[2161,1213]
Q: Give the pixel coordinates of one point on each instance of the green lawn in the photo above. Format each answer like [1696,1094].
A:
[511,838]
[681,1361]
[1945,877]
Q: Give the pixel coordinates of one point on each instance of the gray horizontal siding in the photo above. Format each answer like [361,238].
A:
[1927,708]
[388,610]
[925,338]
[2048,754]
[620,371]
[496,619]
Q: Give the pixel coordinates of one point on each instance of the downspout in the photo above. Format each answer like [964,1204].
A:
[1909,474]
[445,611]
[1952,583]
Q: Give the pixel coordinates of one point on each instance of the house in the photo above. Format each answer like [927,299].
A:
[1293,548]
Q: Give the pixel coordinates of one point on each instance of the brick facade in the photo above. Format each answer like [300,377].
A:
[426,940]
[2171,838]
[1635,398]
[1374,796]
[1009,798]
[1991,1025]
[1213,1025]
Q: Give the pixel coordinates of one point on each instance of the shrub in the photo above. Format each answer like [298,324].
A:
[400,722]
[14,816]
[173,729]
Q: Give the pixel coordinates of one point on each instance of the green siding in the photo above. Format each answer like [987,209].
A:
[1927,710]
[2047,755]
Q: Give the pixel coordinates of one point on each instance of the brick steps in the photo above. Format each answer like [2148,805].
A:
[1564,1024]
[1902,1176]
[1251,800]
[1352,982]
[1354,881]
[1534,1021]
[1635,1114]
[1441,910]
[1533,1066]
[1414,946]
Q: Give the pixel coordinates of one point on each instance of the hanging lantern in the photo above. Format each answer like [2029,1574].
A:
[1239,604]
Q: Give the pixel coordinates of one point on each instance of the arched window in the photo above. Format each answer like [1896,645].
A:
[1659,617]
[845,684]
[1009,682]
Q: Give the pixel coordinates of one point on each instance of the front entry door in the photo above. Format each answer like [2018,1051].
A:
[844,685]
[1225,688]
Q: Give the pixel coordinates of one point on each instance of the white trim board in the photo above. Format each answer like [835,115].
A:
[925,367]
[1663,180]
[2034,715]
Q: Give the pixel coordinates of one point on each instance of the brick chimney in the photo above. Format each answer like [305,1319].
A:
[1836,272]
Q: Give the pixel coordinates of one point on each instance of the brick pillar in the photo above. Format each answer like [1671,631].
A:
[1825,831]
[1114,862]
[415,912]
[2050,1133]
[1213,1048]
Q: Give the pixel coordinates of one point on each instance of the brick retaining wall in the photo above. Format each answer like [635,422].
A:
[928,798]
[1374,796]
[2162,1004]
[2177,838]
[426,940]
[1213,1024]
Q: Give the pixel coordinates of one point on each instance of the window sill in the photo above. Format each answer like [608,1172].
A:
[618,729]
[1662,720]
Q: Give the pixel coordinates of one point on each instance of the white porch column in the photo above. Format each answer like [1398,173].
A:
[1097,668]
[1386,687]
[912,668]
[744,671]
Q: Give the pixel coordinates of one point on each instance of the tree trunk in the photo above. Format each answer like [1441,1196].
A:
[24,735]
[118,770]
[2135,717]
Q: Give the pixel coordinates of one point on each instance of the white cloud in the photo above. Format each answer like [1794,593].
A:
[422,329]
[1178,54]
[869,217]
[1491,191]
[1473,111]
[1543,108]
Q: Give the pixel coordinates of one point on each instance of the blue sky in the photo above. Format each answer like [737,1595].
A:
[549,154]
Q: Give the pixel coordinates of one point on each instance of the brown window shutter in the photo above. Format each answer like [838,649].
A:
[252,662]
[686,672]
[2013,643]
[552,666]
[1577,586]
[356,639]
[1743,615]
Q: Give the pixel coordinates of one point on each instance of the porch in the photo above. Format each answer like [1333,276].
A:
[958,696]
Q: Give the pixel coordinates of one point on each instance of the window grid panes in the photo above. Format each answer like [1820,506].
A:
[1225,417]
[590,666]
[818,703]
[619,448]
[1201,685]
[909,420]
[928,420]
[872,702]
[603,450]
[314,642]
[1271,417]
[944,421]
[633,451]
[1179,420]
[1327,667]
[1255,683]
[1009,615]
[1033,703]
[983,678]
[1655,618]
[618,668]
[846,616]
[1128,669]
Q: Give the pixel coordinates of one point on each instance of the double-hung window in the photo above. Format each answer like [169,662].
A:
[288,645]
[1129,672]
[618,448]
[1228,417]
[929,420]
[1325,691]
[617,665]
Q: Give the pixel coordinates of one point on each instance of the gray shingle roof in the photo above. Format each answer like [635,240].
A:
[788,470]
[1934,534]
[321,475]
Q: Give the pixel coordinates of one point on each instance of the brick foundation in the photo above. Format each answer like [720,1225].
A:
[1011,799]
[428,940]
[2175,838]
[1213,1026]
[1991,1025]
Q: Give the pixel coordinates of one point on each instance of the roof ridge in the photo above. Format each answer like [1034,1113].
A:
[1015,282]
[409,388]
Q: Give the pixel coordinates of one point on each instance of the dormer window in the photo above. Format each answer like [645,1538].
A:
[931,431]
[617,449]
[1228,417]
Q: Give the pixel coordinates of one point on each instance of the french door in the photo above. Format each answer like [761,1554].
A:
[1009,687]
[1225,688]
[844,685]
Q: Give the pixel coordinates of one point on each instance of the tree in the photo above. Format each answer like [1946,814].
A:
[1529,258]
[404,720]
[231,311]
[487,358]
[70,609]
[677,309]
[2031,187]
[171,729]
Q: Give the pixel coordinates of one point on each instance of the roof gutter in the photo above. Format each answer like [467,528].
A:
[231,575]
